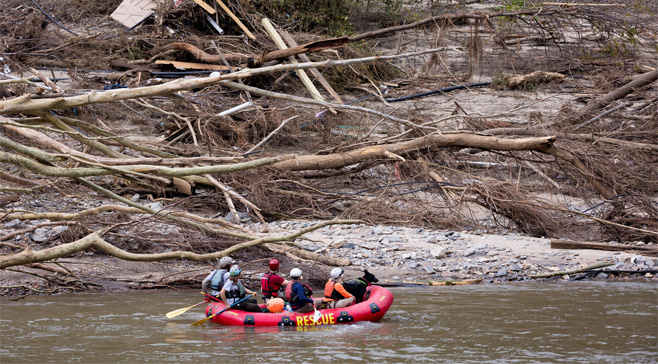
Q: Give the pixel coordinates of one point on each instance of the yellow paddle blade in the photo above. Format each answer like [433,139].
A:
[200,322]
[175,313]
[178,312]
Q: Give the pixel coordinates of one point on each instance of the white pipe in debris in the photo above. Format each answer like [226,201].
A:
[236,109]
[215,25]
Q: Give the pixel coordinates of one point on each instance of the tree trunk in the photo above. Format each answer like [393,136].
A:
[650,251]
[338,160]
[95,240]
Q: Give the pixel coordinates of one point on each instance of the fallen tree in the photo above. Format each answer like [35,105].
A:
[95,241]
[565,244]
[572,271]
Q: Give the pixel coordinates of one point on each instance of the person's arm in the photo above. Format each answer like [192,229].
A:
[340,289]
[280,281]
[222,294]
[205,285]
[299,290]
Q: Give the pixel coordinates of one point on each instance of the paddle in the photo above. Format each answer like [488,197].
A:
[316,315]
[175,313]
[209,317]
[211,297]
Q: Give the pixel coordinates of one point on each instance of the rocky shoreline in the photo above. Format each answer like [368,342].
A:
[396,255]
[412,254]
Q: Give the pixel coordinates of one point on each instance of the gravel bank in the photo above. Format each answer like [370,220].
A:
[409,254]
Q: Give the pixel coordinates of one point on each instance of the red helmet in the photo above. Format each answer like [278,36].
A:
[274,264]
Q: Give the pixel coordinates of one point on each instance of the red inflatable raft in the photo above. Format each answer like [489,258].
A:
[378,301]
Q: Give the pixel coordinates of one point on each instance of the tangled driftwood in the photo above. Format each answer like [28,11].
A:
[279,155]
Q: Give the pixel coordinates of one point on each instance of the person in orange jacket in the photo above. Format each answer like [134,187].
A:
[335,295]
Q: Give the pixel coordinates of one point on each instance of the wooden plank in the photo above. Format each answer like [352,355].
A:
[642,250]
[194,66]
[235,19]
[205,6]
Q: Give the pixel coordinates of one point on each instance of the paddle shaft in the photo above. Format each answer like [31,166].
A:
[213,298]
[210,317]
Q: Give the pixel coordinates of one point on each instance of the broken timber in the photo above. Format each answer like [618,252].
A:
[651,251]
[195,66]
[584,269]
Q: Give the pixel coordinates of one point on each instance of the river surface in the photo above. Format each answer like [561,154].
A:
[574,322]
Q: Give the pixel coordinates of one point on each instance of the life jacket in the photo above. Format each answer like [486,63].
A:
[330,292]
[291,296]
[269,291]
[239,294]
[217,280]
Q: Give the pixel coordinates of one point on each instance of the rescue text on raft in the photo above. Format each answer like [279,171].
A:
[378,301]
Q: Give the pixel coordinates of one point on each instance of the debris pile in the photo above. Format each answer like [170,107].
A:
[156,130]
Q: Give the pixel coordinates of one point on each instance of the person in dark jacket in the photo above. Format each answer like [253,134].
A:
[296,293]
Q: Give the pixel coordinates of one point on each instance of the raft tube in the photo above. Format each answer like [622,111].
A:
[379,300]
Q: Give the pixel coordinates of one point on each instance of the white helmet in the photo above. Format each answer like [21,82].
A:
[225,262]
[295,273]
[336,272]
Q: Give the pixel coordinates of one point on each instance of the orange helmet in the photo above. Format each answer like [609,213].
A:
[274,264]
[275,305]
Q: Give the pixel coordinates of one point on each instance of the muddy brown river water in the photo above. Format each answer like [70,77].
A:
[574,322]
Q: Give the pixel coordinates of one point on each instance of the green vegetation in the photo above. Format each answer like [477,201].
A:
[514,5]
[136,53]
[333,17]
[329,16]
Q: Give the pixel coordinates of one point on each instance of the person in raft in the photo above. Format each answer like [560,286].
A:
[335,295]
[296,295]
[233,291]
[214,282]
[272,282]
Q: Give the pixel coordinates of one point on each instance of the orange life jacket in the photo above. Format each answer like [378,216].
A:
[330,292]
